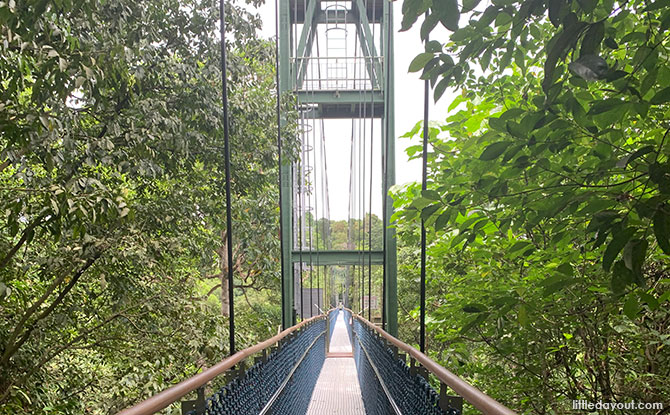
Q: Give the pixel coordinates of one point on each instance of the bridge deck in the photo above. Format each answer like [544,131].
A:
[337,391]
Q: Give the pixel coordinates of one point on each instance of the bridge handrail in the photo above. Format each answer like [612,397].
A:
[474,396]
[171,395]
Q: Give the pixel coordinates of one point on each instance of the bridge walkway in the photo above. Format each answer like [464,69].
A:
[337,391]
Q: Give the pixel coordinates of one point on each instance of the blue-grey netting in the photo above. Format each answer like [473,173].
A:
[411,393]
[249,394]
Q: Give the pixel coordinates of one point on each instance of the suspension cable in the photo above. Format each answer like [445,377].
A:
[299,178]
[226,139]
[385,156]
[299,175]
[284,323]
[422,335]
[311,189]
[321,130]
[372,136]
[361,201]
[351,271]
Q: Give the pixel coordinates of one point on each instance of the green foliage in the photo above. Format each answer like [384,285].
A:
[552,174]
[111,192]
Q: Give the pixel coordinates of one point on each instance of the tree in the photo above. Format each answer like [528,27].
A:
[547,196]
[111,184]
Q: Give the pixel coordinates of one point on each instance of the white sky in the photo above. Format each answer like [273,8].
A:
[408,110]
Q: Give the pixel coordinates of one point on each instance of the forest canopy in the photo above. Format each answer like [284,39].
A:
[112,235]
[547,201]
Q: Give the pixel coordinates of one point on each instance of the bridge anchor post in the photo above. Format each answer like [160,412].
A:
[197,405]
[447,402]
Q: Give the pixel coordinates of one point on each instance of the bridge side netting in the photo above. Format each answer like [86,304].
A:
[347,321]
[250,393]
[332,319]
[411,393]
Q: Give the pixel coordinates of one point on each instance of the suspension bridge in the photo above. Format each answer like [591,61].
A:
[336,59]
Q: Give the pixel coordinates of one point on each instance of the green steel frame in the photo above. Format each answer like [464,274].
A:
[341,104]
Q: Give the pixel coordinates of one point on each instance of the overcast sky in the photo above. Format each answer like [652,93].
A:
[408,110]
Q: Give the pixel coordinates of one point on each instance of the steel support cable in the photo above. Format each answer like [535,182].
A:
[385,155]
[321,126]
[316,203]
[372,136]
[317,196]
[350,235]
[284,323]
[299,175]
[308,181]
[326,223]
[226,139]
[424,171]
[361,208]
[355,123]
[312,188]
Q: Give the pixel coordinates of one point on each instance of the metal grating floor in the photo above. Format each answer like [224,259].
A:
[337,391]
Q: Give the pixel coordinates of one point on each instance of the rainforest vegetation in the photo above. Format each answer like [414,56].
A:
[547,209]
[112,235]
[547,201]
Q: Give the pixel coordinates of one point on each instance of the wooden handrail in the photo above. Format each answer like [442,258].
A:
[165,398]
[474,396]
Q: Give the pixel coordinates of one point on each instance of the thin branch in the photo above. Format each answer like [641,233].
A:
[13,348]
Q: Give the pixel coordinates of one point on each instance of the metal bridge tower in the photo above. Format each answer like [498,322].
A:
[327,85]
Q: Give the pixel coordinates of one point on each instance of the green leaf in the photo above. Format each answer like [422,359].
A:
[430,194]
[552,286]
[474,322]
[522,316]
[657,5]
[650,300]
[502,19]
[588,5]
[474,308]
[429,23]
[420,61]
[661,222]
[634,254]
[494,150]
[434,46]
[557,49]
[519,245]
[661,97]
[605,105]
[631,307]
[592,39]
[448,12]
[458,100]
[442,220]
[441,87]
[619,240]
[555,7]
[621,277]
[632,156]
[565,268]
[498,123]
[428,211]
[469,5]
[611,43]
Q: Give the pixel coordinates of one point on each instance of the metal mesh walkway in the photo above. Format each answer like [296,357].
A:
[337,391]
